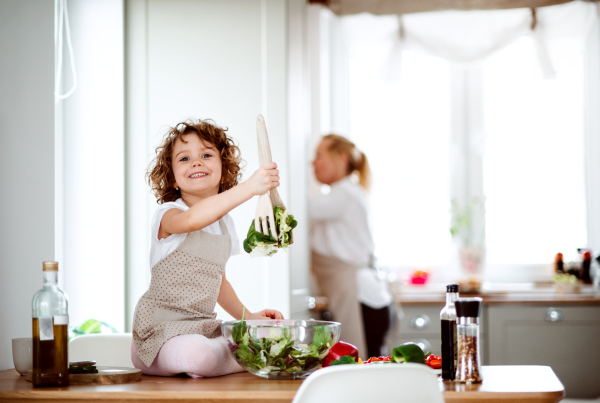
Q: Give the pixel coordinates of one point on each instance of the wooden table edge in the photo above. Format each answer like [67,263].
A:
[148,396]
[529,397]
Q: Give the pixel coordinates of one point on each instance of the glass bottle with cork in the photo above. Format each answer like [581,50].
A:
[50,320]
[448,318]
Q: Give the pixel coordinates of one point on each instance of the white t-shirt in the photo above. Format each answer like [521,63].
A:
[161,248]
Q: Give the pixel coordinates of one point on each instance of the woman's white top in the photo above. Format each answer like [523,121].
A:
[341,224]
[161,248]
[341,227]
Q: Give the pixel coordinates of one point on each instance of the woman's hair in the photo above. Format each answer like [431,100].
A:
[160,172]
[357,160]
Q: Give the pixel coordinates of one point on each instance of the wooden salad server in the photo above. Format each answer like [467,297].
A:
[264,209]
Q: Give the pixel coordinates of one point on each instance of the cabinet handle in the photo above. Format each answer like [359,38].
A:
[554,315]
[420,321]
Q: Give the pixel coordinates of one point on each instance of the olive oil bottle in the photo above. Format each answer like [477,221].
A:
[50,319]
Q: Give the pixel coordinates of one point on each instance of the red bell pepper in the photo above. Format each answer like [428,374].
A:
[339,350]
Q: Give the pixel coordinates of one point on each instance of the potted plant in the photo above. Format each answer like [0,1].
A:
[468,235]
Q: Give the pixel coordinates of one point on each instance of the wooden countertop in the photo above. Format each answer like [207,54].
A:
[536,384]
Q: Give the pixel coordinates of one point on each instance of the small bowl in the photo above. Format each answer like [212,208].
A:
[281,349]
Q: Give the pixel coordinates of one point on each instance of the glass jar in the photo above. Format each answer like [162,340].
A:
[469,346]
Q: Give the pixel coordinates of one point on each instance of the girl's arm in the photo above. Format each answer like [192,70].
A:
[229,301]
[213,208]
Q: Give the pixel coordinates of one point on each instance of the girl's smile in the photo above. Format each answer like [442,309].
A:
[196,167]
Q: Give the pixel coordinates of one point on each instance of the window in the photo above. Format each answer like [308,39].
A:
[404,129]
[534,164]
[520,148]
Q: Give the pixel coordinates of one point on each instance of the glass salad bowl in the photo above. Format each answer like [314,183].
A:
[280,349]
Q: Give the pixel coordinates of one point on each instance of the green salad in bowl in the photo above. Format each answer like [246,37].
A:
[280,349]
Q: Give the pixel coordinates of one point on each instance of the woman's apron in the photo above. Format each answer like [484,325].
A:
[183,293]
[337,280]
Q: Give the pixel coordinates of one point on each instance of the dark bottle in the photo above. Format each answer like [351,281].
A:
[585,267]
[448,317]
[50,320]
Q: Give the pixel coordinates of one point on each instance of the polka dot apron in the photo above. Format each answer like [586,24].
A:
[183,293]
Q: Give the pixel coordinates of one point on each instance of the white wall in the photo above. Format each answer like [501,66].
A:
[227,61]
[26,161]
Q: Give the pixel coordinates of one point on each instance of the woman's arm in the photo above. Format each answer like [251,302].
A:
[213,208]
[229,301]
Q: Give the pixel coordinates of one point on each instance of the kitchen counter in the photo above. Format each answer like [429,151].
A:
[520,324]
[525,293]
[500,383]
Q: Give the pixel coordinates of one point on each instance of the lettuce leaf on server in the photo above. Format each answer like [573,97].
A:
[258,244]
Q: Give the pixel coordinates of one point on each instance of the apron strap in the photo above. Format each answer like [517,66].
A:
[223,227]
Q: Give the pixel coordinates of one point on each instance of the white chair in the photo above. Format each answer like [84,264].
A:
[371,383]
[107,349]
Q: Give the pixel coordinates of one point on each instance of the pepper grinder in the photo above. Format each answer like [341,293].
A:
[467,329]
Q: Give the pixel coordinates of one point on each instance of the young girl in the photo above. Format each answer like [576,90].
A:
[195,179]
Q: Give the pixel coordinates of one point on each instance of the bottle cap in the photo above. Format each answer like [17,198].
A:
[50,266]
[452,288]
[468,307]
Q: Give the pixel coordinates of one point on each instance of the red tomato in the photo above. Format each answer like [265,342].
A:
[435,364]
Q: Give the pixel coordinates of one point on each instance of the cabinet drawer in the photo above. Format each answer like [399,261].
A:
[420,319]
[426,319]
[564,338]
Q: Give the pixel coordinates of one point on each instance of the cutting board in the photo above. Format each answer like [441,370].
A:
[105,376]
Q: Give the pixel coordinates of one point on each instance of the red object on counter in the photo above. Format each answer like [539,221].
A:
[339,350]
[433,361]
[380,358]
[419,277]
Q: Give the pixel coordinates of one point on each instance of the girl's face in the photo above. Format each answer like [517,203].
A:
[196,167]
[329,169]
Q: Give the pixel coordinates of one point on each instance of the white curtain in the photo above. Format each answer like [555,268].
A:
[468,36]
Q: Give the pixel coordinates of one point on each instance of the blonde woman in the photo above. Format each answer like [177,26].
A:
[342,246]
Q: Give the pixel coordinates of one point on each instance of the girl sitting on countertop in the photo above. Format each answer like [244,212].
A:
[195,179]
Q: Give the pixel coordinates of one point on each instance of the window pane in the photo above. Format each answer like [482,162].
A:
[534,160]
[404,128]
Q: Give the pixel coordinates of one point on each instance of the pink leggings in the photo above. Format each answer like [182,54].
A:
[191,354]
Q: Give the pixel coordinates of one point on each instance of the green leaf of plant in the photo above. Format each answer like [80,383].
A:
[91,326]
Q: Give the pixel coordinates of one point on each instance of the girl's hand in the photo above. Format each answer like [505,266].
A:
[264,179]
[266,314]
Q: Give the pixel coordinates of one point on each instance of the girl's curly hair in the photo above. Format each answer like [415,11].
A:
[160,172]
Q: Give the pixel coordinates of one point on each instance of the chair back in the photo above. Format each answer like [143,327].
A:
[107,349]
[371,383]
